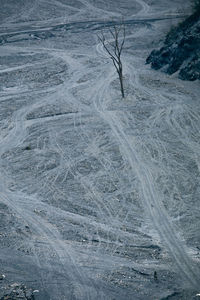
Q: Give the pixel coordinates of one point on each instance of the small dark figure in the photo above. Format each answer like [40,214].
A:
[155,276]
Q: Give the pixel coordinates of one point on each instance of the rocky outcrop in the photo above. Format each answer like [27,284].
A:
[181,50]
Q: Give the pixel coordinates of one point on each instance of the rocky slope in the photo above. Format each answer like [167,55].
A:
[181,50]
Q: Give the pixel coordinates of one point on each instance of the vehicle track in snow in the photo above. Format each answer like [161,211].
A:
[152,199]
[97,106]
[49,233]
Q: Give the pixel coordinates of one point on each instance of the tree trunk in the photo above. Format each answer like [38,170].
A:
[121,82]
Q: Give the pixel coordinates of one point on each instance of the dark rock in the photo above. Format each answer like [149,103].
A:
[2,277]
[192,70]
[16,291]
[181,51]
[159,58]
[27,147]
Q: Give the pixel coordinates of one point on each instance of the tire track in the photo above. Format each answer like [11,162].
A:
[151,197]
[42,228]
[152,202]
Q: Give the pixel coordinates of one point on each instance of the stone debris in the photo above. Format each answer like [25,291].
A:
[16,291]
[2,277]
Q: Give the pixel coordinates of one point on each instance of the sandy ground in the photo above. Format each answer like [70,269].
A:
[96,193]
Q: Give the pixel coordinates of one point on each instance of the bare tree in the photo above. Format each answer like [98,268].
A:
[114,49]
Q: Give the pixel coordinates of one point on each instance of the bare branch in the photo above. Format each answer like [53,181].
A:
[123,41]
[102,40]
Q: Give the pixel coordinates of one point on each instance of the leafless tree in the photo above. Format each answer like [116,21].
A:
[114,49]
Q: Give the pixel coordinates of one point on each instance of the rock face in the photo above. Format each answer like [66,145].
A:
[181,50]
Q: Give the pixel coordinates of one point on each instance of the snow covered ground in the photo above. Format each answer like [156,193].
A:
[96,193]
